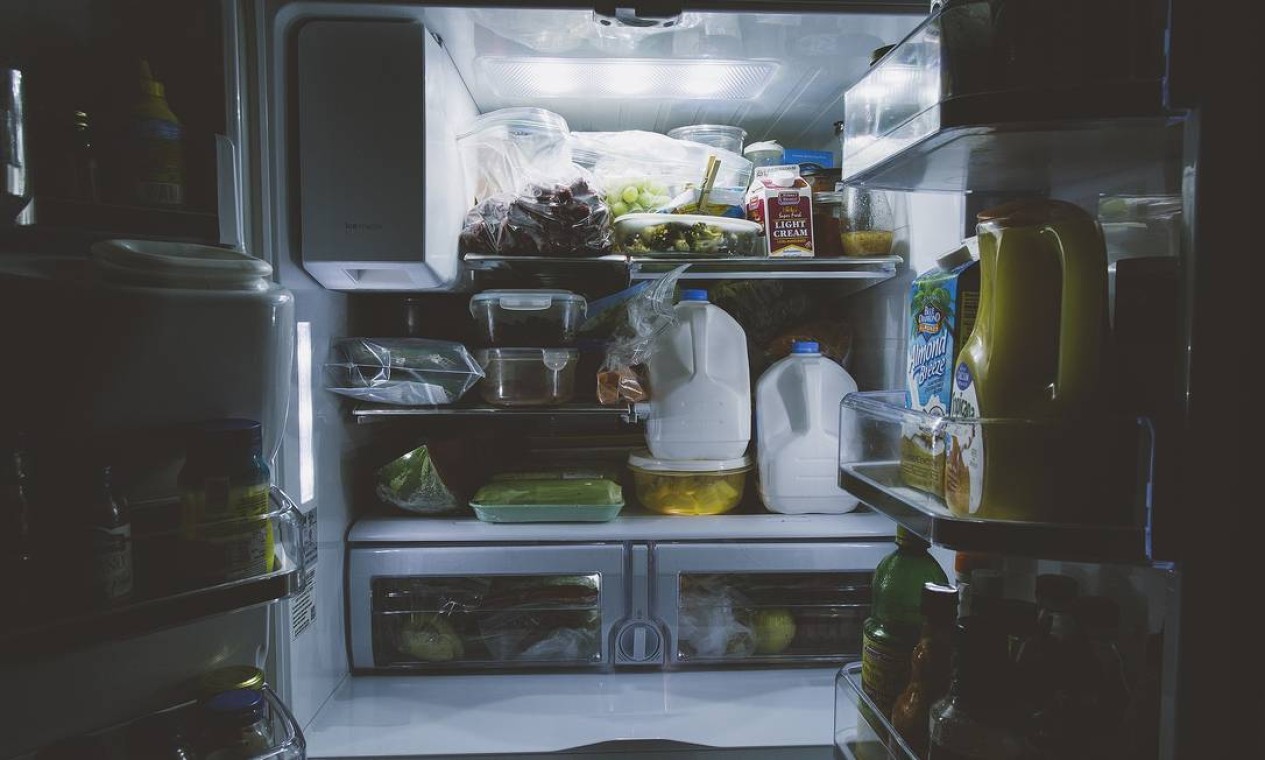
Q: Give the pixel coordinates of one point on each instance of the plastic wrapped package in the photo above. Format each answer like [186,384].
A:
[637,316]
[429,637]
[404,371]
[413,482]
[709,626]
[502,149]
[549,216]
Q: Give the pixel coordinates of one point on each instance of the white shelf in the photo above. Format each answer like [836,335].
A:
[631,525]
[384,716]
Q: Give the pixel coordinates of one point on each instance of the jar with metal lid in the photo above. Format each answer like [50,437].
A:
[237,726]
[821,180]
[229,678]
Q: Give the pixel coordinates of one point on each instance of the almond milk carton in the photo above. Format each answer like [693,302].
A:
[782,202]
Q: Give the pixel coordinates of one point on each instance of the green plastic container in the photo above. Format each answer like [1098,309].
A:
[532,499]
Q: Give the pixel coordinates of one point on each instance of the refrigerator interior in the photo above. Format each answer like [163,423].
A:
[495,57]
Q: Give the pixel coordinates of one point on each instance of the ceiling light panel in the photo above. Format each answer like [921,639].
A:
[523,77]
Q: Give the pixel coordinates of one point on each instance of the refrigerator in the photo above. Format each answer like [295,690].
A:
[321,137]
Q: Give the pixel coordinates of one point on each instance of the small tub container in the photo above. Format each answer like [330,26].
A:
[688,486]
[527,376]
[538,318]
[715,135]
[686,235]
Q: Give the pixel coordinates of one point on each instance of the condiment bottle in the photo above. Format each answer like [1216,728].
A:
[929,666]
[224,501]
[107,531]
[154,170]
[891,631]
[977,721]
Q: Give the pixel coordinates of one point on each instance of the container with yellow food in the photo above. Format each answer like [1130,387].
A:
[688,486]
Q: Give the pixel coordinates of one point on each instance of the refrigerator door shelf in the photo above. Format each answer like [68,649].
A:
[1106,488]
[176,575]
[151,735]
[862,731]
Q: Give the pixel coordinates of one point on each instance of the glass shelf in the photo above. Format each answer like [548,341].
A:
[871,268]
[1109,485]
[766,268]
[978,101]
[862,732]
[170,577]
[366,413]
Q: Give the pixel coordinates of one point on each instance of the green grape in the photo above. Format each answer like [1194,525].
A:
[619,208]
[629,194]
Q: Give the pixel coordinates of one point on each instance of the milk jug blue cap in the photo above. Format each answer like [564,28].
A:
[693,294]
[805,347]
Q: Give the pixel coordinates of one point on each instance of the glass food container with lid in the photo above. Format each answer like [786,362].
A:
[715,135]
[686,235]
[688,486]
[536,318]
[527,376]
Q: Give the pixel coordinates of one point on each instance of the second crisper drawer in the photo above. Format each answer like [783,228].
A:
[764,604]
[489,607]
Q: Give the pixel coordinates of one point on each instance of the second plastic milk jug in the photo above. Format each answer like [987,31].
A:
[798,435]
[700,385]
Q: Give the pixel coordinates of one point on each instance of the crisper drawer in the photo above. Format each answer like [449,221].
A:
[764,604]
[483,607]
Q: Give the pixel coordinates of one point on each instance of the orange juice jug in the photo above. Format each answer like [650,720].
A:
[1032,368]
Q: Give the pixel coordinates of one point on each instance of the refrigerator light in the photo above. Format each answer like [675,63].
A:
[307,462]
[528,78]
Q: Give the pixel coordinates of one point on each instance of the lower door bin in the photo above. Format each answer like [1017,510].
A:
[861,731]
[764,604]
[510,608]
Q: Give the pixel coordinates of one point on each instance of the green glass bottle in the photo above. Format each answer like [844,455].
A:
[895,621]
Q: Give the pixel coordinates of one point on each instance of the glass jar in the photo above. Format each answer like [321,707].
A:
[827,218]
[867,225]
[237,726]
[224,503]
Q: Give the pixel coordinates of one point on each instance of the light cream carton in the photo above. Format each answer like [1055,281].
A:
[782,202]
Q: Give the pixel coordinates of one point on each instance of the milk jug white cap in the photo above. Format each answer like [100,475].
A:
[694,294]
[805,347]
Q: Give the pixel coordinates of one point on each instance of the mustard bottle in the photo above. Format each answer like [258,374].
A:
[1034,362]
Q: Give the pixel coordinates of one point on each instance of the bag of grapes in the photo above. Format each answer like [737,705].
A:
[639,172]
[551,215]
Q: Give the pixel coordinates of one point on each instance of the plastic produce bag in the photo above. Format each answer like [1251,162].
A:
[406,371]
[548,217]
[413,483]
[503,149]
[709,625]
[644,171]
[637,317]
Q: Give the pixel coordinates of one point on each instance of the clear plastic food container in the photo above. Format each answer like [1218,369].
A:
[686,235]
[528,317]
[715,135]
[688,486]
[527,376]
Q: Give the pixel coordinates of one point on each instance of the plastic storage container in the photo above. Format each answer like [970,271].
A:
[686,235]
[868,224]
[548,499]
[689,486]
[700,385]
[715,135]
[503,147]
[797,422]
[527,376]
[509,318]
[766,153]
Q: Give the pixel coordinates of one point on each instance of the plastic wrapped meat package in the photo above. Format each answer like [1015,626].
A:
[402,371]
